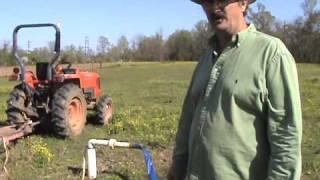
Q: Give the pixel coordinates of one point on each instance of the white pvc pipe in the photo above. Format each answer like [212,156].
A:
[111,143]
[92,163]
[91,153]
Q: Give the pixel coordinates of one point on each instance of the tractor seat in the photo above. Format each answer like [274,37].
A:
[41,70]
[69,70]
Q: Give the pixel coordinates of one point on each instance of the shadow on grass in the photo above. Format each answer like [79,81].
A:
[45,128]
[78,171]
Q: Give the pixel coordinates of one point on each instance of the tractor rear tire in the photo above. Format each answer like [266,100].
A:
[17,97]
[69,111]
[104,110]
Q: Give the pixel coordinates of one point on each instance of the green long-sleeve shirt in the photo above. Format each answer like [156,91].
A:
[241,117]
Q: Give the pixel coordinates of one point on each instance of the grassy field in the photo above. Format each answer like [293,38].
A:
[147,101]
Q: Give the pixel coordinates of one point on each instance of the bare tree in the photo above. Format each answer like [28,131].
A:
[308,6]
[179,45]
[5,55]
[149,48]
[123,48]
[262,19]
[103,45]
[201,35]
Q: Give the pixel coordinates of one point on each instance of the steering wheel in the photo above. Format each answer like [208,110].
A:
[60,68]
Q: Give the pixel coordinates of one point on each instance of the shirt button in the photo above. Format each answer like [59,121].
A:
[214,53]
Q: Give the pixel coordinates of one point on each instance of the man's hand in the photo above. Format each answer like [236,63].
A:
[178,169]
[174,175]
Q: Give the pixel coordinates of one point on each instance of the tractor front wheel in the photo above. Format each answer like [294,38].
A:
[104,110]
[69,111]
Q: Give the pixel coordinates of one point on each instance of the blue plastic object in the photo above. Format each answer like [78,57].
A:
[149,164]
[148,161]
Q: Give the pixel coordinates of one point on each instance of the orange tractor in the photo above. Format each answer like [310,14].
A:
[56,95]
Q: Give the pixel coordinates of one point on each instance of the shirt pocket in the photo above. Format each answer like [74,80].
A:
[248,91]
[228,80]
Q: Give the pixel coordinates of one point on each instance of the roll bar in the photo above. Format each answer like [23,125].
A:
[54,60]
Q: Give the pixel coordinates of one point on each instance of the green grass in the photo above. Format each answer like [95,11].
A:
[309,78]
[147,102]
[5,88]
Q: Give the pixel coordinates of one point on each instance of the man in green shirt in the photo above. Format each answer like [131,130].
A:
[241,117]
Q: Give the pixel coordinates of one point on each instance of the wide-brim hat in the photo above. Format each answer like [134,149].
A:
[199,1]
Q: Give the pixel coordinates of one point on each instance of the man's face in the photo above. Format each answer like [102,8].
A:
[224,15]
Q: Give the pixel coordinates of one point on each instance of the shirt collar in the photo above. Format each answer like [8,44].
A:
[235,41]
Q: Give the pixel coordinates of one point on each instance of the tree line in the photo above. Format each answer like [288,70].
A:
[182,45]
[301,35]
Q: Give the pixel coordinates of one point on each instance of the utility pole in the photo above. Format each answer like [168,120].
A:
[86,46]
[87,49]
[29,46]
